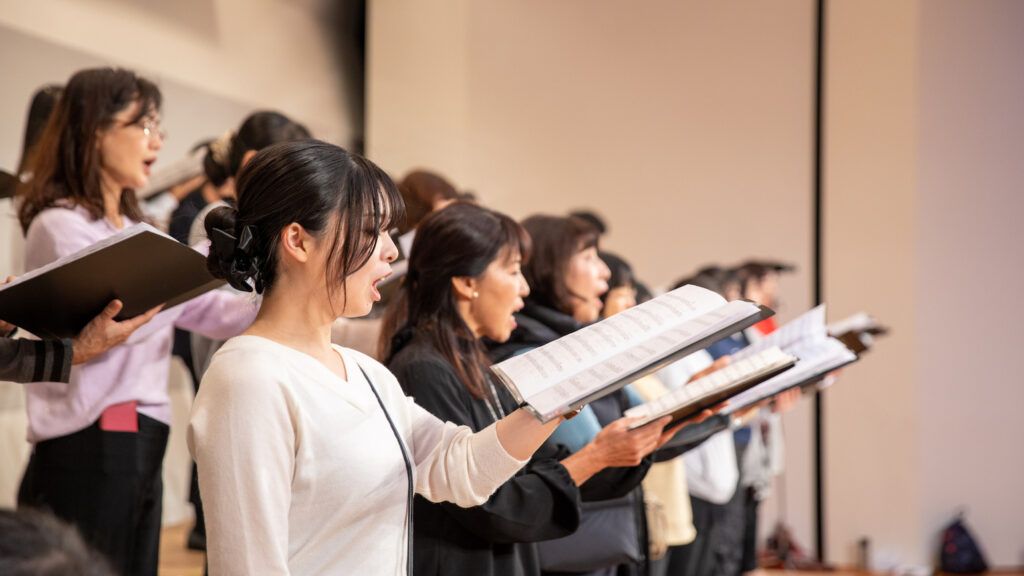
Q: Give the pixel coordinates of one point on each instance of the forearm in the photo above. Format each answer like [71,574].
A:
[520,434]
[583,464]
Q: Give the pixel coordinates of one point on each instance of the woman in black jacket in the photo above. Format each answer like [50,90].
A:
[464,284]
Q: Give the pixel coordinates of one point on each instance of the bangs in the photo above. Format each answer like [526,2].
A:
[515,239]
[370,204]
[583,234]
[149,98]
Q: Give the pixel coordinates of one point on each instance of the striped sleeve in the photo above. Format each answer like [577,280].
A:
[23,360]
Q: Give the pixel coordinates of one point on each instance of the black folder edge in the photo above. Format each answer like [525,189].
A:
[702,403]
[762,313]
[693,435]
[180,299]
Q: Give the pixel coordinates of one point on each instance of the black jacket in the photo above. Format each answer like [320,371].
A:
[537,325]
[540,502]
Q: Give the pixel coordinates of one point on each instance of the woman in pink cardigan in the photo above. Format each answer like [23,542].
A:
[99,440]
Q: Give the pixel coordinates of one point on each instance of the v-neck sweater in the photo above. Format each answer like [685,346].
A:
[301,473]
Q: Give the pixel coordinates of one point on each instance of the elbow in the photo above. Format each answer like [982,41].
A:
[469,499]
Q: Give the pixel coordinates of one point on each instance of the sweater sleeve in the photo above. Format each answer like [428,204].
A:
[242,436]
[455,465]
[23,360]
[218,314]
[452,463]
[539,503]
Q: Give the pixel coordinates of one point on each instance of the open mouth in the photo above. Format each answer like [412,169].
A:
[147,165]
[374,286]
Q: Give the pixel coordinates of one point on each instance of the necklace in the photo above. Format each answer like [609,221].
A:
[492,402]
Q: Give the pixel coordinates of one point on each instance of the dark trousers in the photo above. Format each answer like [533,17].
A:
[750,532]
[730,533]
[698,558]
[108,484]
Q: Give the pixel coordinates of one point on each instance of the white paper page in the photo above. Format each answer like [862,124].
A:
[760,363]
[858,322]
[92,248]
[606,370]
[808,326]
[815,357]
[570,355]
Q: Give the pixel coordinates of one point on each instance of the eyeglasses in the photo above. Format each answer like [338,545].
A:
[150,127]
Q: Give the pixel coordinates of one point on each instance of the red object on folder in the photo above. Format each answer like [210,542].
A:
[123,417]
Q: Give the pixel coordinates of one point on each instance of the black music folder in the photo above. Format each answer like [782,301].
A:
[139,265]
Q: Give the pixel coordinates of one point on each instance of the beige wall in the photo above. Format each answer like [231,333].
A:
[872,414]
[708,161]
[689,124]
[969,271]
[925,103]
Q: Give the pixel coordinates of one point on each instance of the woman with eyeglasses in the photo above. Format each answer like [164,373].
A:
[99,440]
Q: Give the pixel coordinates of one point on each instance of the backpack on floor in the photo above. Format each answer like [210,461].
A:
[960,553]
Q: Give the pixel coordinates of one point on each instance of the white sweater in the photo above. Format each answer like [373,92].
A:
[300,472]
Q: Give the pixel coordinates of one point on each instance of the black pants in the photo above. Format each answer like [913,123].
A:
[108,484]
[750,561]
[698,558]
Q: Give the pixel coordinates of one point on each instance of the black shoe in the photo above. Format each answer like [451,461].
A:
[196,541]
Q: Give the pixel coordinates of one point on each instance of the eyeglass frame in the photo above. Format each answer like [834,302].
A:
[150,127]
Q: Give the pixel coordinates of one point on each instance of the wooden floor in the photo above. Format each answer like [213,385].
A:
[175,558]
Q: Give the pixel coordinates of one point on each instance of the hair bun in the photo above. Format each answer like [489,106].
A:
[230,257]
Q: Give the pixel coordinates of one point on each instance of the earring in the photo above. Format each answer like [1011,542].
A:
[475,295]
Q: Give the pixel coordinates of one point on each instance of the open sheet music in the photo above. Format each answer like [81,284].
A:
[806,337]
[594,361]
[712,389]
[817,359]
[139,265]
[857,332]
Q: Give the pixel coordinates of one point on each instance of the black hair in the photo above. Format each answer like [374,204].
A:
[35,543]
[713,277]
[460,240]
[43,103]
[215,159]
[621,272]
[317,185]
[259,130]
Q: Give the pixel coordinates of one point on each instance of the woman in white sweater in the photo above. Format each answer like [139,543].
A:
[308,453]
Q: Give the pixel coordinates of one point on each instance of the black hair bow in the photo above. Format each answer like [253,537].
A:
[237,255]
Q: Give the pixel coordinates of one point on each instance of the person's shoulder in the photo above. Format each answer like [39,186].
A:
[247,360]
[418,353]
[59,218]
